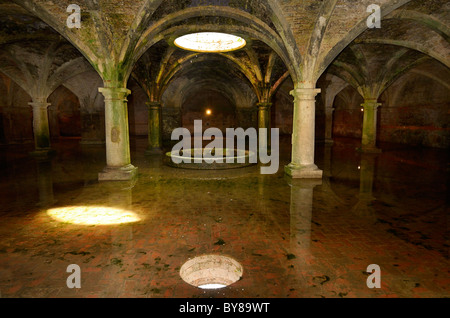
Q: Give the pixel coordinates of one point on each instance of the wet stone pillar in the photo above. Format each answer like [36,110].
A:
[154,128]
[41,126]
[303,136]
[264,123]
[118,158]
[369,130]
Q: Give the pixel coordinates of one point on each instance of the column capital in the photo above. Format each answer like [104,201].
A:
[264,105]
[154,105]
[305,93]
[39,103]
[115,93]
[371,103]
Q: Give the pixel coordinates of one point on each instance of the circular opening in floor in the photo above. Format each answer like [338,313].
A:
[211,271]
[210,159]
[210,42]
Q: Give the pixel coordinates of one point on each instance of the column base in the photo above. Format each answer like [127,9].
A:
[118,174]
[303,172]
[369,150]
[154,151]
[43,153]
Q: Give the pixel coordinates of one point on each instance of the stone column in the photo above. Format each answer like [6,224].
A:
[118,157]
[41,126]
[369,130]
[303,137]
[329,111]
[264,122]
[154,128]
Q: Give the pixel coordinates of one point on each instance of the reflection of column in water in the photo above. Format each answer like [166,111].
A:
[302,194]
[367,174]
[45,182]
[119,194]
[92,159]
[261,186]
[328,148]
[154,202]
[327,173]
[154,163]
[263,197]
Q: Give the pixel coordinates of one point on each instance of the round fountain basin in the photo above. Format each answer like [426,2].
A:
[237,159]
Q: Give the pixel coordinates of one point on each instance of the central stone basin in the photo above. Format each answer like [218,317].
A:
[240,159]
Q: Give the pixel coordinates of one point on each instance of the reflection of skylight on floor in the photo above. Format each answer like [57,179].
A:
[211,271]
[92,215]
[210,42]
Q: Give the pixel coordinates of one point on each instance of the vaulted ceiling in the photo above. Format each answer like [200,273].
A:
[293,39]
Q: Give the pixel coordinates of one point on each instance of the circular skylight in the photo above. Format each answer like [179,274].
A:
[210,42]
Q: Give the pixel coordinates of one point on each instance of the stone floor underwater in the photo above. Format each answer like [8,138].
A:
[294,239]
